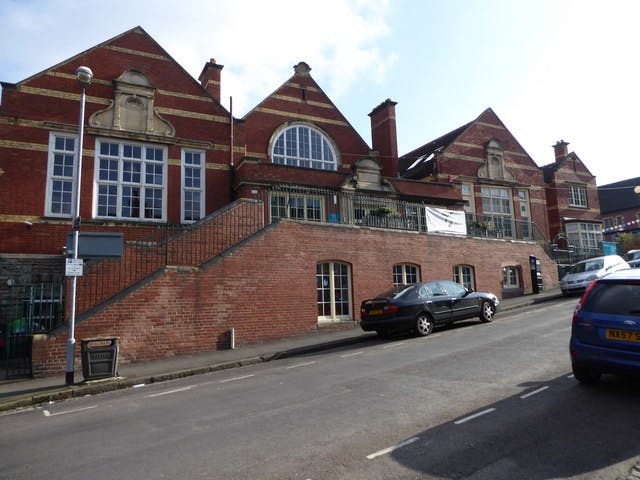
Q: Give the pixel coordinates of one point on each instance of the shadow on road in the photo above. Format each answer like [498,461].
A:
[563,430]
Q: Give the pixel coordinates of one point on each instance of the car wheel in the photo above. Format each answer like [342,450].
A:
[585,375]
[386,334]
[565,293]
[486,311]
[424,325]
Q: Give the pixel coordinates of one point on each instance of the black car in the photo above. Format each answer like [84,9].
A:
[422,306]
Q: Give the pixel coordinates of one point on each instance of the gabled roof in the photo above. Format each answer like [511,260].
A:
[135,30]
[419,162]
[550,169]
[619,196]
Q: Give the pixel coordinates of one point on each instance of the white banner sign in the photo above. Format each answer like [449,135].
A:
[446,221]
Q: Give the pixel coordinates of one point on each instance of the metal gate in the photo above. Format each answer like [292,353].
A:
[25,311]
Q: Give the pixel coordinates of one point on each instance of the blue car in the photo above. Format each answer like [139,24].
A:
[605,335]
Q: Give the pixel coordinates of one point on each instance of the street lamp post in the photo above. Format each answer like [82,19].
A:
[84,75]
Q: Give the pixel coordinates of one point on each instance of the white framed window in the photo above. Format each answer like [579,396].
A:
[467,194]
[496,208]
[525,213]
[406,274]
[303,146]
[296,205]
[584,235]
[333,285]
[577,196]
[416,218]
[510,277]
[464,275]
[193,185]
[131,181]
[609,222]
[61,175]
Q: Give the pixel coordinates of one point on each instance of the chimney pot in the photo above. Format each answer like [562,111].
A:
[560,150]
[210,78]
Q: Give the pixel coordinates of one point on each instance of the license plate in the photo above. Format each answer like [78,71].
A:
[622,335]
[377,311]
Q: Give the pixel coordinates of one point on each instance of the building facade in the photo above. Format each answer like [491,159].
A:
[271,225]
[572,203]
[502,187]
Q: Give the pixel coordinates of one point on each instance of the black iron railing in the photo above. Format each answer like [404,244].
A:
[168,245]
[379,210]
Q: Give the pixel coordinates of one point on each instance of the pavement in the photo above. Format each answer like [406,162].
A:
[26,393]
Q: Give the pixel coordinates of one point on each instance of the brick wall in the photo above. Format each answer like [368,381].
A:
[266,288]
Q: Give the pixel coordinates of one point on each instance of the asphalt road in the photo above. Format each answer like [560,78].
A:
[475,401]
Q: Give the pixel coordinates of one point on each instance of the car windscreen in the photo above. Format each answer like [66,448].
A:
[395,292]
[588,266]
[614,298]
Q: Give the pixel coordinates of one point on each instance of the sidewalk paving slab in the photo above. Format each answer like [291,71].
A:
[25,393]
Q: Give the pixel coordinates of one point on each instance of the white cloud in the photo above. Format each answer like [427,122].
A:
[257,41]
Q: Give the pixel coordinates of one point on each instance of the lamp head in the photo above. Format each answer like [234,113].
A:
[84,75]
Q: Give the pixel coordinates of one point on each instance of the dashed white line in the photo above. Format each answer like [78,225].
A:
[236,378]
[168,392]
[475,415]
[391,345]
[300,365]
[541,389]
[391,449]
[47,413]
[571,376]
[351,354]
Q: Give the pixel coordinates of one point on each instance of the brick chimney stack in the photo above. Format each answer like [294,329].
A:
[210,78]
[384,138]
[560,149]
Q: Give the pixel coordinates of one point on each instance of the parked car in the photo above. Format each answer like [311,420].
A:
[605,334]
[633,258]
[423,306]
[586,271]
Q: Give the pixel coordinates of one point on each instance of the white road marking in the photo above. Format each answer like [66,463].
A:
[527,395]
[47,413]
[168,392]
[300,365]
[391,345]
[391,449]
[571,376]
[236,378]
[139,385]
[351,354]
[475,415]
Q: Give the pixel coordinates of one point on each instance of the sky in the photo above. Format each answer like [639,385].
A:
[550,69]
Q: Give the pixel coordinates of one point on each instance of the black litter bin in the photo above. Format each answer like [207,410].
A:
[99,358]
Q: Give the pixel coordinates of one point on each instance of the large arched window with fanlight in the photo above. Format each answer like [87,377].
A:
[301,145]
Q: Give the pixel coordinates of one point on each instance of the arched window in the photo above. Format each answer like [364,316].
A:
[303,146]
[406,274]
[463,274]
[333,285]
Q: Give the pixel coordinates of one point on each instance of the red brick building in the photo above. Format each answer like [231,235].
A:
[272,225]
[503,188]
[572,202]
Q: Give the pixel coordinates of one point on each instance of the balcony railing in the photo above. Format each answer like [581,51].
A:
[378,210]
